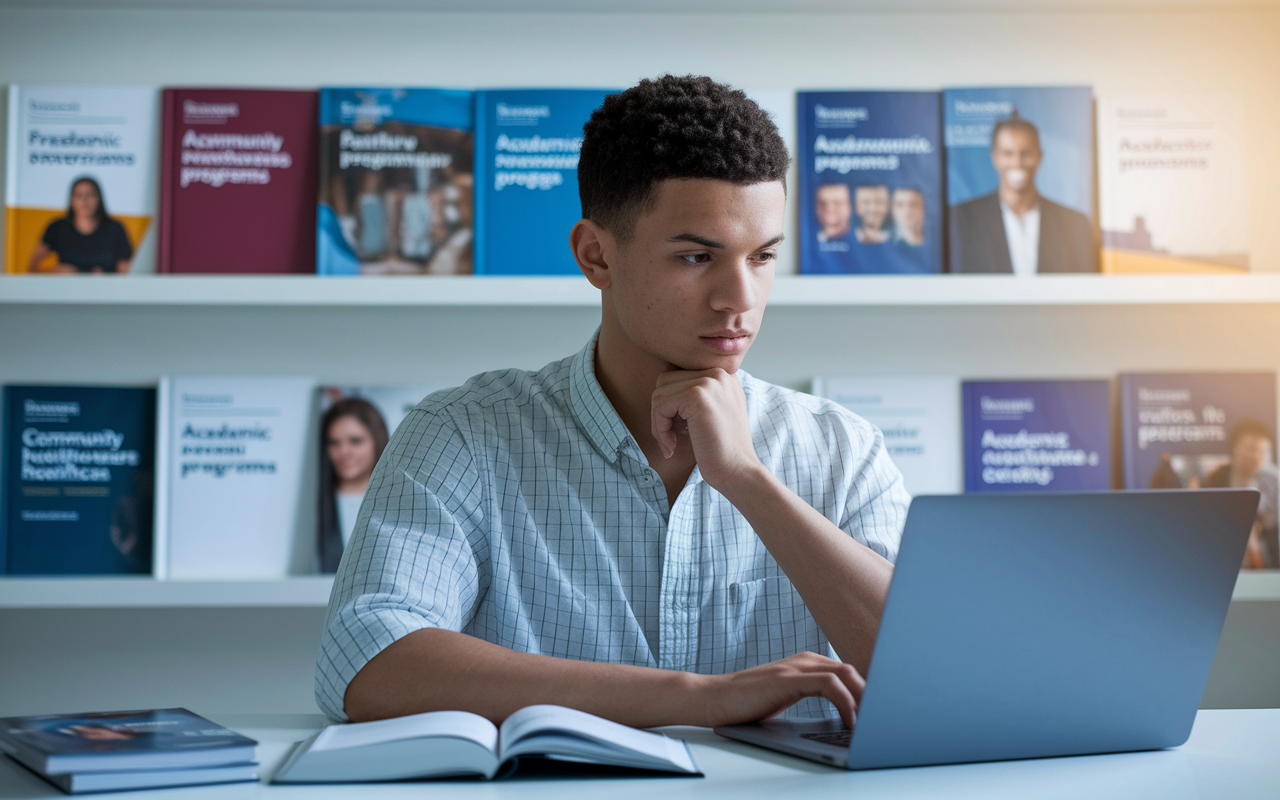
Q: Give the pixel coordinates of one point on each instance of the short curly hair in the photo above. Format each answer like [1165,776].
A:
[672,127]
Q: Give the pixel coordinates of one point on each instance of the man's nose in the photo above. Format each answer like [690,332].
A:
[735,289]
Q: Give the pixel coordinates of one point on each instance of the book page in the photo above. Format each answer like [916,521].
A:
[458,724]
[538,721]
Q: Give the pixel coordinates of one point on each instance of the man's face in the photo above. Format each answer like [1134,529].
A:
[908,210]
[1016,157]
[689,287]
[834,209]
[872,205]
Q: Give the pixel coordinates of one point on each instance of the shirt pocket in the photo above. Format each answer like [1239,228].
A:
[766,621]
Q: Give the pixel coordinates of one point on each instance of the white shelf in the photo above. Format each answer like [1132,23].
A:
[789,290]
[131,592]
[300,592]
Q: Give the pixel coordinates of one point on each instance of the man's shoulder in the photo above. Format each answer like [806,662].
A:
[499,392]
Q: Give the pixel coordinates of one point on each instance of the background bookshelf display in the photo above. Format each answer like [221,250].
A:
[249,647]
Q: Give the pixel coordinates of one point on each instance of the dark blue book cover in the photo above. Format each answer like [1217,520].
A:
[526,173]
[79,475]
[1020,179]
[119,733]
[1037,436]
[870,182]
[1177,428]
[395,182]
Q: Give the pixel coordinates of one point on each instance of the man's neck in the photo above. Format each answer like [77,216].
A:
[628,377]
[1019,201]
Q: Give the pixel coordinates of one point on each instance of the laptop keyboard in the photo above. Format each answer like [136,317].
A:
[840,738]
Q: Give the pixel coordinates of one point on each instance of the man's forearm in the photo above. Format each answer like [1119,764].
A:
[434,670]
[441,670]
[843,583]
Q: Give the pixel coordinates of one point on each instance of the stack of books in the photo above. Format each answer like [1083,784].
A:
[128,750]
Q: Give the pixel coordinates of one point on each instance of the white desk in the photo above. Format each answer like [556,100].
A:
[1231,754]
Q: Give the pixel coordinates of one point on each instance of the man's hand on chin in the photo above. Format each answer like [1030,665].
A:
[709,407]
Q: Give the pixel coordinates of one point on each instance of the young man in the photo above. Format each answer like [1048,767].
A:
[641,531]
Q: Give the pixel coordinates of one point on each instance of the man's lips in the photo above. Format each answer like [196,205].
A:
[728,341]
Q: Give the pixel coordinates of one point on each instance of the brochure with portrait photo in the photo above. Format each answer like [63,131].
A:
[1173,184]
[395,182]
[80,180]
[353,428]
[1020,187]
[1176,427]
[870,183]
[1206,430]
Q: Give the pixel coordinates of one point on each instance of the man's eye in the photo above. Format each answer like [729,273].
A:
[697,258]
[768,255]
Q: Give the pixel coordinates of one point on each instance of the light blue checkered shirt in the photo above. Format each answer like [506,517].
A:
[517,508]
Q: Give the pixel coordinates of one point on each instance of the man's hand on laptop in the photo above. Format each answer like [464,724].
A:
[767,690]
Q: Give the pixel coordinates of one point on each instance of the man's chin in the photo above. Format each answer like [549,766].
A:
[728,363]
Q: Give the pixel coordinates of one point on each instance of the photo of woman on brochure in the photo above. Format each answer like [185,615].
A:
[353,435]
[356,422]
[87,239]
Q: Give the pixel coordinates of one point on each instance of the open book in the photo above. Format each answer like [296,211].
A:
[447,744]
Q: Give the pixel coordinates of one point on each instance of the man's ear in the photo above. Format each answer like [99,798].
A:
[590,244]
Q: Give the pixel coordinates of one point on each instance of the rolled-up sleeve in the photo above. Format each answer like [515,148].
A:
[876,499]
[414,560]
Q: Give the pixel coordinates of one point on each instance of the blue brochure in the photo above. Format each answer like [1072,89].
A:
[78,480]
[870,182]
[1037,436]
[395,182]
[526,173]
[1177,428]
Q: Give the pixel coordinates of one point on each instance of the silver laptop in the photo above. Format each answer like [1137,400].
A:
[1024,626]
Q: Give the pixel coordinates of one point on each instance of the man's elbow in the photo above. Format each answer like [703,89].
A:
[390,685]
[360,701]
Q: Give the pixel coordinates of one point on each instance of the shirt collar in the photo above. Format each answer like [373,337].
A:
[595,413]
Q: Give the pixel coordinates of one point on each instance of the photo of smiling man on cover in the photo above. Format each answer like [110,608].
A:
[641,530]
